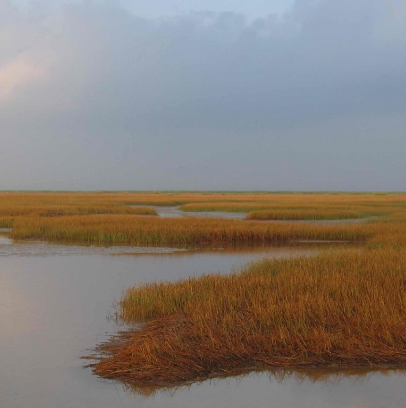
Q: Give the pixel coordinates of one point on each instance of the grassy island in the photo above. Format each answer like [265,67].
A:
[345,309]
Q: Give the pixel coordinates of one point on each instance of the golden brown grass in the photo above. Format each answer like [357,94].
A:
[363,204]
[337,309]
[74,217]
[241,202]
[306,214]
[6,222]
[56,204]
[188,231]
[341,309]
[16,205]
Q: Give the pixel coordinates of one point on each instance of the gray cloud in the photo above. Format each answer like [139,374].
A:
[93,97]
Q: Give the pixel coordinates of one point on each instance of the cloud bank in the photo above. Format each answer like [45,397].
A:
[95,97]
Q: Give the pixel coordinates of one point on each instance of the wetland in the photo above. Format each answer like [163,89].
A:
[57,299]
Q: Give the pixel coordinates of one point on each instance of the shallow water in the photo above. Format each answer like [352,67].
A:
[175,212]
[54,304]
[10,247]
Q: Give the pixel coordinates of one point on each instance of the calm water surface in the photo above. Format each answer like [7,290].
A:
[175,212]
[54,304]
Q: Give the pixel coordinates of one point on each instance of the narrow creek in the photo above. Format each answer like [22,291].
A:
[175,212]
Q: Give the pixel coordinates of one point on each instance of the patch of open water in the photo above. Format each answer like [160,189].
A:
[54,307]
[175,212]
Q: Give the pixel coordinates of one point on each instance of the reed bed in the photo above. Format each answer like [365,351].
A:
[43,216]
[59,204]
[6,222]
[343,309]
[362,203]
[203,201]
[16,205]
[183,232]
[306,214]
[76,217]
[299,210]
[60,210]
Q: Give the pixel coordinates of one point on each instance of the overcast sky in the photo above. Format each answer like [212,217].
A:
[203,95]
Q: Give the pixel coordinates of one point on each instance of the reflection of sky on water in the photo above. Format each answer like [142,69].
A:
[9,247]
[304,388]
[53,309]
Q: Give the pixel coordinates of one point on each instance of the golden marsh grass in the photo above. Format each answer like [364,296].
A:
[74,217]
[336,309]
[307,214]
[16,205]
[190,231]
[343,309]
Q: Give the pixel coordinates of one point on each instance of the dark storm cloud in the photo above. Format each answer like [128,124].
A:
[91,89]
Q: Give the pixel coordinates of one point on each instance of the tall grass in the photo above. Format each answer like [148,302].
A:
[188,231]
[362,204]
[74,217]
[310,214]
[6,222]
[16,205]
[340,309]
[59,204]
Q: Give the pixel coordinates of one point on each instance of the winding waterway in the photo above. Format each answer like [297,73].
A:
[54,305]
[175,212]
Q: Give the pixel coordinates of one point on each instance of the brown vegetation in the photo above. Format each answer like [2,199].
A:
[337,309]
[73,217]
[39,205]
[306,214]
[345,309]
[319,206]
[190,231]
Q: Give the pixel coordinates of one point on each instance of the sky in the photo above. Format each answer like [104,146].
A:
[203,95]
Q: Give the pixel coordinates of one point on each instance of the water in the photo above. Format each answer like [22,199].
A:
[10,247]
[175,212]
[54,304]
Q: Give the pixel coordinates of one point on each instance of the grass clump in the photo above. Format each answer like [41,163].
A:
[6,222]
[343,309]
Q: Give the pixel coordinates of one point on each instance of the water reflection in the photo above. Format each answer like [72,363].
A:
[53,308]
[175,212]
[304,376]
[13,247]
